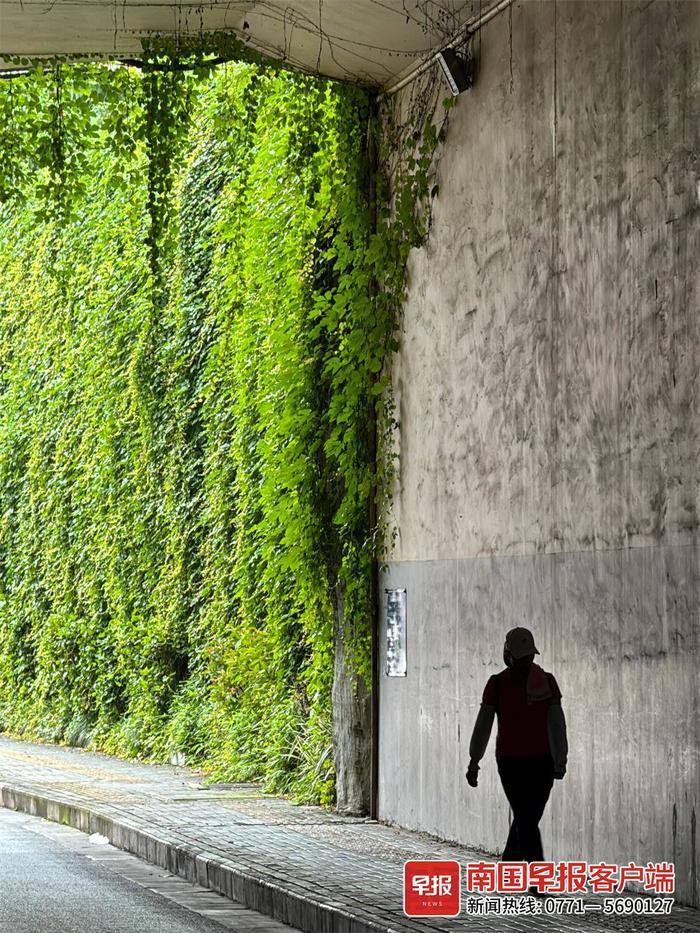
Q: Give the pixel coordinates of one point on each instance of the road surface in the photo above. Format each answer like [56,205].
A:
[54,879]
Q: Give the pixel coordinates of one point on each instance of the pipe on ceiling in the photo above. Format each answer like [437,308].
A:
[468,29]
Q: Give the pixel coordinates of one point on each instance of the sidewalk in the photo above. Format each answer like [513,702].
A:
[315,870]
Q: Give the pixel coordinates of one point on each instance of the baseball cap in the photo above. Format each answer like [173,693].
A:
[520,643]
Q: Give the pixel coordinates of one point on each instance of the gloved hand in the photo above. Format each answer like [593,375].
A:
[472,774]
[558,775]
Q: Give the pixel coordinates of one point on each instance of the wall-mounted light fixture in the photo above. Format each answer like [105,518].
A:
[457,70]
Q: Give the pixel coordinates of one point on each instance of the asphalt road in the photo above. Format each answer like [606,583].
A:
[53,879]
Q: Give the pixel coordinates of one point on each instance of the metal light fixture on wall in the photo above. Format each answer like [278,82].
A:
[457,70]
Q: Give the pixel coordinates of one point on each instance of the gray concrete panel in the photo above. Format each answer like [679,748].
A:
[547,377]
[547,397]
[619,631]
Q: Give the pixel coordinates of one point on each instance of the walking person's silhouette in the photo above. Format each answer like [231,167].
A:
[531,745]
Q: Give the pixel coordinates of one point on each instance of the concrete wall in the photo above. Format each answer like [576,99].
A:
[547,393]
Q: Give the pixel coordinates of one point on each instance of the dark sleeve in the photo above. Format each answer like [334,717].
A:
[556,729]
[490,692]
[481,733]
[554,687]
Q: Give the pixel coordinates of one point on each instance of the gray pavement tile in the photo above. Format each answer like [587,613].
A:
[350,864]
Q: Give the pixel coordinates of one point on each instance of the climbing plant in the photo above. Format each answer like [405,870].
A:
[198,303]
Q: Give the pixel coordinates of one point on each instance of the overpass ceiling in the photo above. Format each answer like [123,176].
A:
[367,41]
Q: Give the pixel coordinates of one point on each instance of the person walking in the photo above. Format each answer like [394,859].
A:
[531,744]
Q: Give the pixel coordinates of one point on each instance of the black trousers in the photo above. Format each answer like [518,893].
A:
[527,782]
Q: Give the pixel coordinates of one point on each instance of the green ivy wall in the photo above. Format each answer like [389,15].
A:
[189,362]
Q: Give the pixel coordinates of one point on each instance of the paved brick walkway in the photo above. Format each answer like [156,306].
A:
[302,865]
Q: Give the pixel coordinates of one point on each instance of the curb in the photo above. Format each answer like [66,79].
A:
[199,867]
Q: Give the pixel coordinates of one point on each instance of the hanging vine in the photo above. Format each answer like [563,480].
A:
[193,346]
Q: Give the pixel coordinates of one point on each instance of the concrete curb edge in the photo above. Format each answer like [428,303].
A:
[199,867]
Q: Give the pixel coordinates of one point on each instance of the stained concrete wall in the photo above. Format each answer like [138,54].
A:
[547,394]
